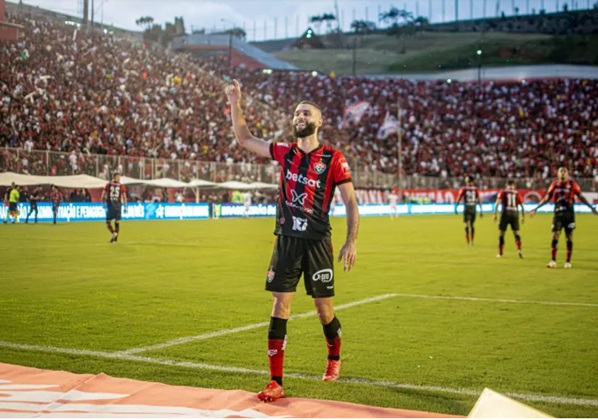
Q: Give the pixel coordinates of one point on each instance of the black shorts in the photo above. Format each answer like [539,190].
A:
[295,256]
[13,207]
[563,220]
[469,214]
[113,213]
[509,219]
[33,205]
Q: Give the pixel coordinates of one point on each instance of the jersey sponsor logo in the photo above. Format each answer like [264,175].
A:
[299,198]
[290,204]
[319,167]
[299,224]
[325,275]
[301,179]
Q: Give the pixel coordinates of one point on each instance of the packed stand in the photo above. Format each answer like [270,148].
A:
[515,129]
[63,90]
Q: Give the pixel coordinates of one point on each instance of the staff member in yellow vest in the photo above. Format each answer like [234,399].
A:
[13,200]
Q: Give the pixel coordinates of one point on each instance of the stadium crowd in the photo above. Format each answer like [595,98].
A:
[62,89]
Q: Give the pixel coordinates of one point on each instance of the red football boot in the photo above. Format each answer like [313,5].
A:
[333,370]
[272,392]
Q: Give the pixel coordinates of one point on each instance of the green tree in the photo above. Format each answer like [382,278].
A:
[363,27]
[145,21]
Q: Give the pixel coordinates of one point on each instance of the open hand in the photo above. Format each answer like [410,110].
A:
[348,254]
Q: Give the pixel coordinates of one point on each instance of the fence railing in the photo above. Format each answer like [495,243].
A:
[40,162]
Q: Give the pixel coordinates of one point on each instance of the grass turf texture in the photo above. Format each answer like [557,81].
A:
[66,286]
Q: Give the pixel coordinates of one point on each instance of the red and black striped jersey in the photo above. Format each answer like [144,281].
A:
[470,195]
[510,199]
[307,184]
[563,194]
[114,192]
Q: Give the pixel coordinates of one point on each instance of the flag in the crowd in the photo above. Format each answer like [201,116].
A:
[355,112]
[388,127]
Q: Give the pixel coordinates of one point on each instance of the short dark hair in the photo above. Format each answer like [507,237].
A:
[115,173]
[315,105]
[510,182]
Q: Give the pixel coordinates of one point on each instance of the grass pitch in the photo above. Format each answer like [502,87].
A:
[512,325]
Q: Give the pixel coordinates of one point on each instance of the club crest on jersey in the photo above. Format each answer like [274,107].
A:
[319,167]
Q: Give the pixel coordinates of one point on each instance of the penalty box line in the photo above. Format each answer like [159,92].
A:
[584,402]
[207,336]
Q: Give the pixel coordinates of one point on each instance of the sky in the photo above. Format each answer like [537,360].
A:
[272,19]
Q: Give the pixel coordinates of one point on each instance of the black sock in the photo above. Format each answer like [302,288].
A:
[278,328]
[332,332]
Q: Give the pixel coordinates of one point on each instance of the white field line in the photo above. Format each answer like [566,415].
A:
[585,402]
[207,336]
[477,299]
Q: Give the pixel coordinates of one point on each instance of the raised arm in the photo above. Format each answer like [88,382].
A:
[348,252]
[242,133]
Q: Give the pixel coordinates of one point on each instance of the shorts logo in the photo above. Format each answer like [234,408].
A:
[319,167]
[325,275]
[571,226]
[270,276]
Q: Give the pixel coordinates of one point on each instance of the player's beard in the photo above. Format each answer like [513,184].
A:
[306,131]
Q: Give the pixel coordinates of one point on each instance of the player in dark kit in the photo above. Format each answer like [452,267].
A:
[114,195]
[33,199]
[309,174]
[471,196]
[563,191]
[56,199]
[510,199]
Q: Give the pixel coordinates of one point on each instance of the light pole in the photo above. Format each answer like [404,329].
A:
[479,53]
[230,40]
[354,53]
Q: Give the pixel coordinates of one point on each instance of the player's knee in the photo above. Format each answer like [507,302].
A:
[281,307]
[569,244]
